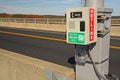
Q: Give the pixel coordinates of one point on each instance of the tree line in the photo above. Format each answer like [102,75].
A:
[5,15]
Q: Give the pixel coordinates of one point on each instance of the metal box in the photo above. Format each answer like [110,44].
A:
[81,26]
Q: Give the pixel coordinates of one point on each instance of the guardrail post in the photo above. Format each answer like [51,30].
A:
[62,21]
[14,19]
[119,21]
[0,19]
[47,21]
[24,20]
[35,20]
[8,19]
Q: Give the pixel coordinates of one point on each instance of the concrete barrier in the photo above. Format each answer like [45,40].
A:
[14,66]
[115,30]
[51,27]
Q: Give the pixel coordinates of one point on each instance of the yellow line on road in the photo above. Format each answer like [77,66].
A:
[32,36]
[42,37]
[115,47]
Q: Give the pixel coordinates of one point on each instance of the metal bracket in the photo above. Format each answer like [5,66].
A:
[49,75]
[81,54]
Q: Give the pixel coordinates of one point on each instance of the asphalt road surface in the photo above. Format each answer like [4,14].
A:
[50,46]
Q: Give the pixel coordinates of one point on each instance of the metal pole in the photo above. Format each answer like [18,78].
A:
[99,51]
[83,3]
[94,3]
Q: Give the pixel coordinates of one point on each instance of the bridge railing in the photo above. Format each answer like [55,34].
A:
[114,22]
[35,20]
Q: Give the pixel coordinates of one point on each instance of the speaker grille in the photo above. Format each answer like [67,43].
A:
[71,24]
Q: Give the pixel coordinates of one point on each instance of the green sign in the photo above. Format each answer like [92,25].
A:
[76,38]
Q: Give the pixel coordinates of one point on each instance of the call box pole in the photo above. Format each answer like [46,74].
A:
[99,51]
[89,29]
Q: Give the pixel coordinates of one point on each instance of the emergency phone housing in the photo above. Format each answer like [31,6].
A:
[82,25]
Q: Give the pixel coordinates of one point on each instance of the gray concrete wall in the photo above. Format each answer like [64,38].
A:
[115,30]
[14,66]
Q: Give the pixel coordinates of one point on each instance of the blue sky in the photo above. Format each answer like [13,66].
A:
[48,7]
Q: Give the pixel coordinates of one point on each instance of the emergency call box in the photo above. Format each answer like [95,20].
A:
[81,26]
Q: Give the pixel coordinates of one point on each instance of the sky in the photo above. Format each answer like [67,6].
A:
[48,7]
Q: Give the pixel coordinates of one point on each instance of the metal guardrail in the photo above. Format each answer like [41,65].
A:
[35,20]
[114,22]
